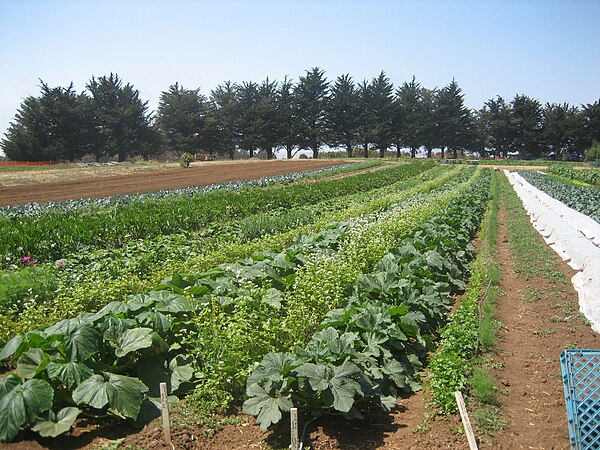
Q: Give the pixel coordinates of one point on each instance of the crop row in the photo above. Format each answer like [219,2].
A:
[88,280]
[203,330]
[57,234]
[469,329]
[589,176]
[36,210]
[372,348]
[584,199]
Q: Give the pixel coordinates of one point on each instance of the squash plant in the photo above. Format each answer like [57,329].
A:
[111,361]
[375,346]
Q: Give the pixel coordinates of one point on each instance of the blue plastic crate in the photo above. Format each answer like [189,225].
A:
[581,379]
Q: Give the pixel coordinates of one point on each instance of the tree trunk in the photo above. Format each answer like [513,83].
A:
[251,153]
[382,153]
[288,150]
[349,150]
[413,152]
[454,153]
[429,153]
[366,150]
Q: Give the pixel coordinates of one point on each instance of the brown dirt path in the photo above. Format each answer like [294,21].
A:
[540,318]
[197,175]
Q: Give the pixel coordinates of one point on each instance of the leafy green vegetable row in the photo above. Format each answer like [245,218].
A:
[112,360]
[584,199]
[86,281]
[589,176]
[366,352]
[57,234]
[459,344]
[36,210]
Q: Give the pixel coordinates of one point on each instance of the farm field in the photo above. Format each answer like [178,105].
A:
[285,276]
[49,184]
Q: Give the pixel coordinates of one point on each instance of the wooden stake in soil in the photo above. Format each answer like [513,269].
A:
[465,420]
[294,428]
[164,400]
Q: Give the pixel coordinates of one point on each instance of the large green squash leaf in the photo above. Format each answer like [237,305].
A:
[181,371]
[82,343]
[11,347]
[273,367]
[132,340]
[71,374]
[121,393]
[68,326]
[21,403]
[113,308]
[93,392]
[268,408]
[344,387]
[31,363]
[57,424]
[170,302]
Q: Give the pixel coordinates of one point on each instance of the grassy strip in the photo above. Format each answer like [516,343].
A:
[532,257]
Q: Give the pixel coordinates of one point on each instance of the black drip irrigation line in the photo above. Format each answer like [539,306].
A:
[304,432]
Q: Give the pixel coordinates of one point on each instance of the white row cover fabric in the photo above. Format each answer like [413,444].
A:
[573,235]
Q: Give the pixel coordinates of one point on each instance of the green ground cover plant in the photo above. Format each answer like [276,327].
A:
[471,326]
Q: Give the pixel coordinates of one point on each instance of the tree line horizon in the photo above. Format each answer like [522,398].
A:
[109,119]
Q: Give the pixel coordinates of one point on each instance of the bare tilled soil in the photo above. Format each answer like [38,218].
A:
[200,174]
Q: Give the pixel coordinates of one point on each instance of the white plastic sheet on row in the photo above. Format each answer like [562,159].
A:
[573,235]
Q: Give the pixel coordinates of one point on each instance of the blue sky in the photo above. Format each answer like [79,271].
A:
[549,50]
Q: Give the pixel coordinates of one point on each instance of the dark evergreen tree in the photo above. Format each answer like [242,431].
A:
[247,126]
[53,126]
[382,108]
[287,123]
[366,117]
[343,114]
[120,118]
[267,118]
[181,119]
[527,126]
[559,129]
[428,130]
[226,117]
[496,118]
[311,95]
[452,118]
[410,111]
[590,124]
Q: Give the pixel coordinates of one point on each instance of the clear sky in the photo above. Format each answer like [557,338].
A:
[549,50]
